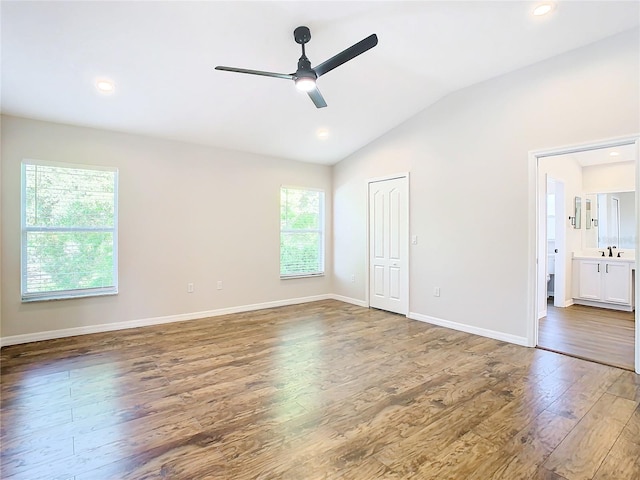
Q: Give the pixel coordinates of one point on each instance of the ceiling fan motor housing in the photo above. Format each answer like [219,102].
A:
[304,68]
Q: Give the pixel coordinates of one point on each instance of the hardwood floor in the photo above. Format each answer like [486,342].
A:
[324,390]
[598,334]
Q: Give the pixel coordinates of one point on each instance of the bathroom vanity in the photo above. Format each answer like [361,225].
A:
[606,282]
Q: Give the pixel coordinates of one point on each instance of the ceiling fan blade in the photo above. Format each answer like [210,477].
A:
[286,76]
[346,55]
[317,98]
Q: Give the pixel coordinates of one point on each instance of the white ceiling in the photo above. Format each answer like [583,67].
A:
[603,156]
[161,57]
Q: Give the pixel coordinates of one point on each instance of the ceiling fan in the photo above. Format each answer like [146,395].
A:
[305,77]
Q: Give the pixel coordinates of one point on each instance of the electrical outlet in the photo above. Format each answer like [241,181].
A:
[353,278]
[190,287]
[219,285]
[436,291]
[414,240]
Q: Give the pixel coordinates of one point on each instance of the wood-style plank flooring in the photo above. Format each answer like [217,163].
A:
[324,390]
[598,334]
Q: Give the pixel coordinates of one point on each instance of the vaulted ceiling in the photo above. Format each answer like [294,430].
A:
[161,57]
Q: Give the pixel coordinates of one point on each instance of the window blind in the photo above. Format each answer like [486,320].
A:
[69,231]
[301,232]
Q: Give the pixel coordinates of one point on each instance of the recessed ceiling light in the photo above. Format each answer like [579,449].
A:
[542,9]
[105,86]
[614,154]
[322,133]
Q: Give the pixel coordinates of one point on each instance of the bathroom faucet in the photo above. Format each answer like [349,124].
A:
[610,252]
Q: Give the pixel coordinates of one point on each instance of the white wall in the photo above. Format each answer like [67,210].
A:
[186,214]
[468,158]
[612,177]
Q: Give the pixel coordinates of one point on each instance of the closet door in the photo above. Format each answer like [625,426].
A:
[388,245]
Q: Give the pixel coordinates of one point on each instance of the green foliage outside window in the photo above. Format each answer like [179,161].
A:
[69,230]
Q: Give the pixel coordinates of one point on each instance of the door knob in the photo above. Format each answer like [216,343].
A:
[556,250]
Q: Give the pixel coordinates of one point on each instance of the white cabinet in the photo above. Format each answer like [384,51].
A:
[617,283]
[589,279]
[603,283]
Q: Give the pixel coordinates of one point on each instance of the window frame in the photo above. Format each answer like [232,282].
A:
[321,231]
[24,230]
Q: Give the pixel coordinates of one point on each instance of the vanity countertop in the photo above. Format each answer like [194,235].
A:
[605,258]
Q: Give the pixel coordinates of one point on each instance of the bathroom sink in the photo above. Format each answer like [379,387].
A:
[589,256]
[625,257]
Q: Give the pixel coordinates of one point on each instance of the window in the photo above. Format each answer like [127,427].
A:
[69,231]
[301,232]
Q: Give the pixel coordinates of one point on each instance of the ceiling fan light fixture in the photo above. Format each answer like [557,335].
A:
[305,84]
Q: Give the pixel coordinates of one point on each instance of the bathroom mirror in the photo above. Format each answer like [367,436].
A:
[577,219]
[613,220]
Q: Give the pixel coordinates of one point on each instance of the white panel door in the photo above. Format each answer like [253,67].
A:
[388,245]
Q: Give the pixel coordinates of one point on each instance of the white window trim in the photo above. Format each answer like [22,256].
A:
[64,294]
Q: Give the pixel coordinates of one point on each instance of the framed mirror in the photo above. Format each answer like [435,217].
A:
[613,220]
[617,219]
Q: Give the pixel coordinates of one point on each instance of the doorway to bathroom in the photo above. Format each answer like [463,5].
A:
[595,316]
[597,334]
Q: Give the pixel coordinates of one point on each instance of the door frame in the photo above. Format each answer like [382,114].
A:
[406,276]
[616,201]
[534,215]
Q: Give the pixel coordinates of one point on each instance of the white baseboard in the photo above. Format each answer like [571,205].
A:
[145,322]
[611,306]
[483,332]
[353,301]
